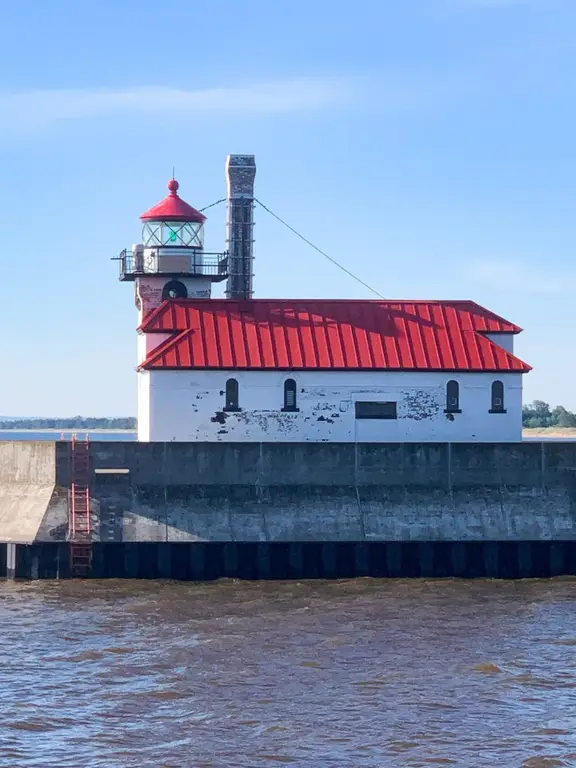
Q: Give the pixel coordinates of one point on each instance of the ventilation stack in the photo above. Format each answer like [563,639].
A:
[240,172]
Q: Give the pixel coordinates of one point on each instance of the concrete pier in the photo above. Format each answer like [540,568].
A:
[295,510]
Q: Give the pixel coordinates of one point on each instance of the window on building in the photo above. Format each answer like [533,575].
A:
[373,410]
[232,396]
[290,395]
[174,290]
[453,397]
[497,397]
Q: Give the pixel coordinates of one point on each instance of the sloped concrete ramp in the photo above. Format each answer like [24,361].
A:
[27,487]
[23,508]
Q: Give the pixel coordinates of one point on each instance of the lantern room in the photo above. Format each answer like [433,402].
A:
[172,243]
[173,223]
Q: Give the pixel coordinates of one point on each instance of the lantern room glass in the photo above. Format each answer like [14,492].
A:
[173,234]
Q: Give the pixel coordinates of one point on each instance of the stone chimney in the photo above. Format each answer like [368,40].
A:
[240,172]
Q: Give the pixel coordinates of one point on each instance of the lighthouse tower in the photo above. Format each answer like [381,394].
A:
[170,262]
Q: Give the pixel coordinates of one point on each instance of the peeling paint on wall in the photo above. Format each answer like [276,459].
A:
[420,404]
[266,421]
[188,405]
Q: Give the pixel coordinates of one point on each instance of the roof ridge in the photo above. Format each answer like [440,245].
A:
[245,305]
[262,300]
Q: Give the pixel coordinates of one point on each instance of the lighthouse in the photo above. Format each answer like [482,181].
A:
[251,369]
[170,262]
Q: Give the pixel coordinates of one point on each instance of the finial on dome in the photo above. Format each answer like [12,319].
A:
[173,208]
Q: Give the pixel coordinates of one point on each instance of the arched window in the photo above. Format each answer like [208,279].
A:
[232,396]
[290,395]
[452,397]
[174,290]
[497,397]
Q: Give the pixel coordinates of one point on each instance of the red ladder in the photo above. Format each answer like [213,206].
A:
[79,525]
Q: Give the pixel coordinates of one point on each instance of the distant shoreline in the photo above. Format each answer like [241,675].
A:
[78,430]
[550,432]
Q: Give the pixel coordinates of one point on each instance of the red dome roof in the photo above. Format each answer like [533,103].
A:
[173,208]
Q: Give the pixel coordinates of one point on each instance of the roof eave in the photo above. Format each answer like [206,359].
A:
[514,332]
[146,365]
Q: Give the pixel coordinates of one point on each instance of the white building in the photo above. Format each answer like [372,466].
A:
[245,369]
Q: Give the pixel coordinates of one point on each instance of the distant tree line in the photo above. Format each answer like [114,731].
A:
[539,414]
[74,422]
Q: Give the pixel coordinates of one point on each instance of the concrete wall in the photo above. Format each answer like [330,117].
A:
[31,506]
[335,492]
[188,406]
[296,492]
[30,462]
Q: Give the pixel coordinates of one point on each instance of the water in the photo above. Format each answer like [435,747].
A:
[372,673]
[57,434]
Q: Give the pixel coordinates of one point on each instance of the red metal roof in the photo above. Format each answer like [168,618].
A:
[329,335]
[173,208]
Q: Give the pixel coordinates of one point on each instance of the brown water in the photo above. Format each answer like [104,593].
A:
[349,673]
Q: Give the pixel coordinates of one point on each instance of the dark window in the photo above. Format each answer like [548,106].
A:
[452,397]
[232,395]
[174,290]
[290,395]
[497,397]
[370,410]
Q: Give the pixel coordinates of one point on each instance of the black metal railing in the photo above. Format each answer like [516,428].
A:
[135,264]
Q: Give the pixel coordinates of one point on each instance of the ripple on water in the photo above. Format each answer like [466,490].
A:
[352,673]
[488,668]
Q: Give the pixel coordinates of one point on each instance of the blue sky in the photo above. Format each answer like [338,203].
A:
[426,144]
